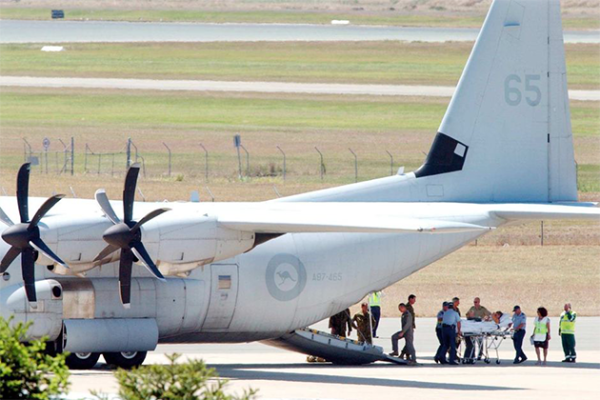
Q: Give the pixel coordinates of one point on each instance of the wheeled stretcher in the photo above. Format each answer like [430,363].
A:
[481,337]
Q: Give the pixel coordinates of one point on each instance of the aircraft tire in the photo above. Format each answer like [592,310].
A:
[82,360]
[126,360]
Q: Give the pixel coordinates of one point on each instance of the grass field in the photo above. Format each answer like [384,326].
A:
[298,123]
[531,276]
[388,62]
[272,16]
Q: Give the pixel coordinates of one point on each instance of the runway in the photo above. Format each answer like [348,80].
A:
[279,374]
[15,31]
[251,87]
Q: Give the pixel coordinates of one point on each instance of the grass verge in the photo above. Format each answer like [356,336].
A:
[387,62]
[271,16]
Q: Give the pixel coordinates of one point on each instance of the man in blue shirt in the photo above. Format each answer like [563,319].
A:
[450,328]
[519,324]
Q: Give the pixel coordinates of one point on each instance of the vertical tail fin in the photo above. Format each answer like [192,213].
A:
[506,135]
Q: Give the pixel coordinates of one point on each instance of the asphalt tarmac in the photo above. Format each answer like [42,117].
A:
[279,374]
[251,87]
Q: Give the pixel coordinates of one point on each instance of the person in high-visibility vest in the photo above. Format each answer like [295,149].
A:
[566,331]
[375,306]
[541,334]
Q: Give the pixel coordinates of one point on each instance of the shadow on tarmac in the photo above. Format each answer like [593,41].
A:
[248,372]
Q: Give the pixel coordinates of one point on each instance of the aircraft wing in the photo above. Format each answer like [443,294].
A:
[512,212]
[328,220]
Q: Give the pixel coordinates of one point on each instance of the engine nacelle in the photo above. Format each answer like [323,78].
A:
[184,243]
[177,244]
[46,317]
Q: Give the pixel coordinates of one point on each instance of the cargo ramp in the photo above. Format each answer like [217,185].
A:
[332,348]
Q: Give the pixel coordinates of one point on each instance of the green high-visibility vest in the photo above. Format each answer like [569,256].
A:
[541,328]
[375,299]
[567,324]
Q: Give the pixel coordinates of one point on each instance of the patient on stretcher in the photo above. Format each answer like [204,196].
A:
[499,322]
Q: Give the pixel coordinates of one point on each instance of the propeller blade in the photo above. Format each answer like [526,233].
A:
[148,217]
[125,266]
[5,218]
[40,246]
[9,257]
[107,251]
[43,210]
[129,191]
[102,200]
[28,269]
[142,254]
[23,191]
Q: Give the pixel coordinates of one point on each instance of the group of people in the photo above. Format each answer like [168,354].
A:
[448,329]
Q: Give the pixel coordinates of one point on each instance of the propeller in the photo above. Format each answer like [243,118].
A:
[24,237]
[126,235]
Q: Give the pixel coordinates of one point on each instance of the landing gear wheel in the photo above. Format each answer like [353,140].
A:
[126,359]
[82,360]
[487,361]
[497,361]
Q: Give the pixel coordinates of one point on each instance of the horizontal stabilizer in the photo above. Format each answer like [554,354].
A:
[585,211]
[280,221]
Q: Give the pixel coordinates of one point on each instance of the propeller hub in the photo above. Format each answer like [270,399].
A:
[120,235]
[19,235]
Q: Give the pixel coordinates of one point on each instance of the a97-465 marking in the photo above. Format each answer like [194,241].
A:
[323,276]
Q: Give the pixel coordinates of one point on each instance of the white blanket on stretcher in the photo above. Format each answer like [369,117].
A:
[478,327]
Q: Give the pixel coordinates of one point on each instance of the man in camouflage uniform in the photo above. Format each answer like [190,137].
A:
[363,323]
[409,307]
[339,322]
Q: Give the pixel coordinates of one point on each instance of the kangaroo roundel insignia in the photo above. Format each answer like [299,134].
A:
[285,276]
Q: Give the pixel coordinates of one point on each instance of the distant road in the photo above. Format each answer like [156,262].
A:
[15,31]
[255,87]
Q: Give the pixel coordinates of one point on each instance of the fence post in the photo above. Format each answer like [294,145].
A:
[72,155]
[247,159]
[542,236]
[169,150]
[355,165]
[26,150]
[283,161]
[87,148]
[128,151]
[391,163]
[322,166]
[205,162]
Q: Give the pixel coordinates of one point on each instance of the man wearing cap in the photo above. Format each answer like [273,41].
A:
[440,355]
[450,331]
[519,324]
[438,325]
